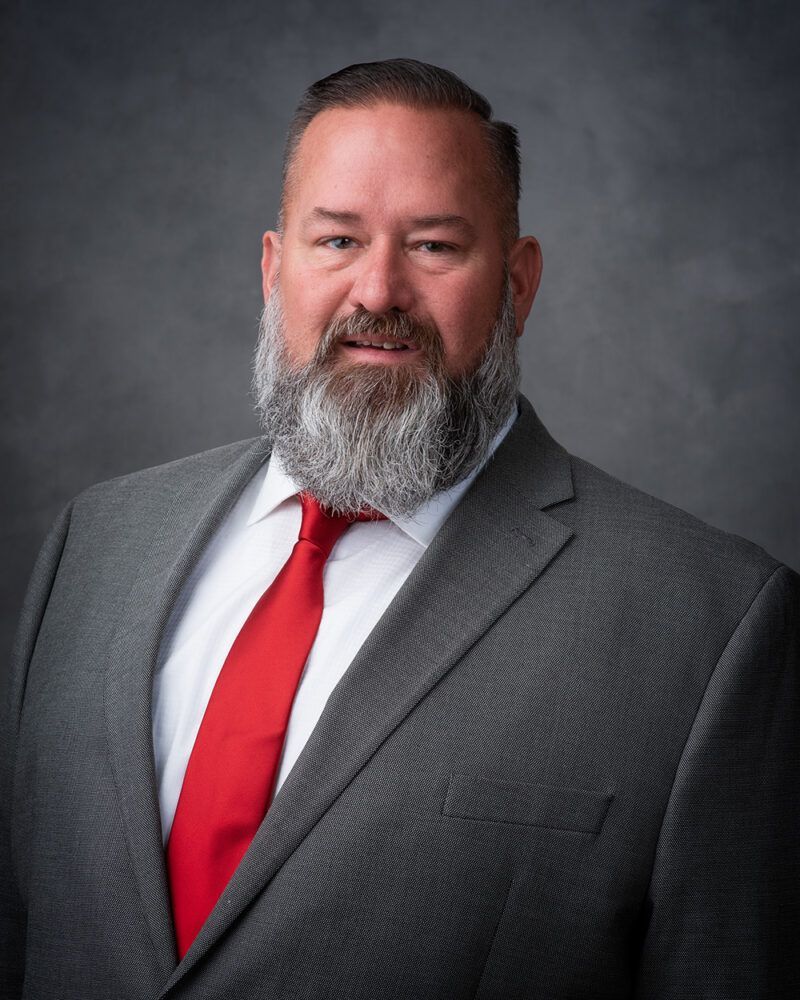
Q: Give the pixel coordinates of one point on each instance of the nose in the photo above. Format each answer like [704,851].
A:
[380,281]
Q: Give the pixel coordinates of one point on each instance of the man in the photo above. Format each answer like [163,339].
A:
[401,700]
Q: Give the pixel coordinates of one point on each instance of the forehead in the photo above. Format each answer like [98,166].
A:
[389,159]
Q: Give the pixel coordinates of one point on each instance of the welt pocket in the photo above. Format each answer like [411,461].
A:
[573,809]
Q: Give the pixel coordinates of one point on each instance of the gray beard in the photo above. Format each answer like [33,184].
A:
[359,436]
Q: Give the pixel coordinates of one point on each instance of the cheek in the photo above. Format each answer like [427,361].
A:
[465,324]
[308,308]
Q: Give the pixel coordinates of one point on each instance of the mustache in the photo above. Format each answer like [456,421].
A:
[362,324]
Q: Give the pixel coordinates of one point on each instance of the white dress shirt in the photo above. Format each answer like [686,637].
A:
[366,568]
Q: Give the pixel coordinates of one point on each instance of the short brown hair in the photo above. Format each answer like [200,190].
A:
[418,85]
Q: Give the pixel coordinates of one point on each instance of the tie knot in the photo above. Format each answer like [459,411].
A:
[324,529]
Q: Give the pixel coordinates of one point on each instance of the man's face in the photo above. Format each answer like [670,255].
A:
[394,209]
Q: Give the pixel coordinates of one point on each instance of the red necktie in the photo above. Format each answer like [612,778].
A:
[233,766]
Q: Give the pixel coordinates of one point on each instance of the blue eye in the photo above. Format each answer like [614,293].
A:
[339,242]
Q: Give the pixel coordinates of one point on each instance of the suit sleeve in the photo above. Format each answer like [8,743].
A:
[12,682]
[724,899]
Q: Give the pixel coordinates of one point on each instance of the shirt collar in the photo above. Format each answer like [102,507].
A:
[425,522]
[277,487]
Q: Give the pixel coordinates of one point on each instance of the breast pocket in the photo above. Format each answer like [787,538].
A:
[573,809]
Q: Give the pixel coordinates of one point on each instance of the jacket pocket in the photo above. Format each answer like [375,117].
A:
[572,809]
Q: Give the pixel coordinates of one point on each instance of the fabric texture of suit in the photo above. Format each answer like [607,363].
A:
[563,765]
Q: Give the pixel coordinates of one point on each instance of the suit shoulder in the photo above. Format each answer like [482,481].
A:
[169,476]
[650,530]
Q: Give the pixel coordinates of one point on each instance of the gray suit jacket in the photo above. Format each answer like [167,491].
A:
[563,765]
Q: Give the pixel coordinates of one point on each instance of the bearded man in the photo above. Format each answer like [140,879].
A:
[400,699]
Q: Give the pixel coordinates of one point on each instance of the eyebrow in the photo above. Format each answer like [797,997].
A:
[320,214]
[327,215]
[442,221]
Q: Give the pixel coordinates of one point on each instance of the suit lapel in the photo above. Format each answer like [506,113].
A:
[474,569]
[198,508]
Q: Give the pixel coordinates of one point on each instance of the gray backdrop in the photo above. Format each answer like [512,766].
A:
[142,146]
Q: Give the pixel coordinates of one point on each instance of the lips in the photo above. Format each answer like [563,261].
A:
[385,345]
[389,338]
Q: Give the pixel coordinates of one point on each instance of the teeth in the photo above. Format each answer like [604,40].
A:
[388,346]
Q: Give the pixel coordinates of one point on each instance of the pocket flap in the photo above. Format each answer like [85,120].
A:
[573,809]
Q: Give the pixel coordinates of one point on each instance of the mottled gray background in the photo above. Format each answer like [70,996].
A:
[142,145]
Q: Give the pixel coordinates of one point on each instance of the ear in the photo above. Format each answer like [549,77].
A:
[525,271]
[270,261]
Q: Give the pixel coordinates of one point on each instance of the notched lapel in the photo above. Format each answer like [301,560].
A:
[177,542]
[471,573]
